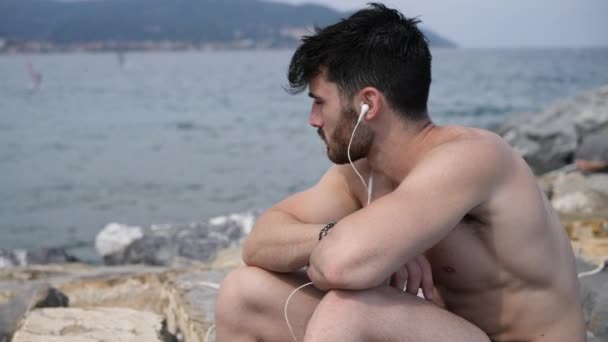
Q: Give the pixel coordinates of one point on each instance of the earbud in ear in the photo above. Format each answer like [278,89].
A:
[364,109]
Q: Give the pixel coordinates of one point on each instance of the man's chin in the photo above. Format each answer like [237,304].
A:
[338,160]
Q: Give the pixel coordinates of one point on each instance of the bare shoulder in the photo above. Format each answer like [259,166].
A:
[467,154]
[473,144]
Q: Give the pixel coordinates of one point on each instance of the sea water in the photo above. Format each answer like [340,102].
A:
[179,137]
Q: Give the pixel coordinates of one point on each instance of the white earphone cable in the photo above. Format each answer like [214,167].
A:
[369,200]
[370,188]
[287,303]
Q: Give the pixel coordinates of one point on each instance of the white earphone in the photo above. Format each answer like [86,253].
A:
[364,109]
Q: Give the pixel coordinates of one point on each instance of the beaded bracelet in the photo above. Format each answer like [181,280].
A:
[323,232]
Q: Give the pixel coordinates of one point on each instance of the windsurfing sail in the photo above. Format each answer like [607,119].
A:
[35,76]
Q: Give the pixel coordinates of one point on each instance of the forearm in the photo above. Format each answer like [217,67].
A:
[368,246]
[280,243]
[328,271]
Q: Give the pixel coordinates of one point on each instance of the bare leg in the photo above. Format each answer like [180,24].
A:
[251,302]
[386,314]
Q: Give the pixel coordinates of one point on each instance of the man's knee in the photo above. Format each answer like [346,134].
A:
[346,304]
[237,304]
[350,301]
[345,315]
[239,291]
[353,306]
[341,298]
[339,316]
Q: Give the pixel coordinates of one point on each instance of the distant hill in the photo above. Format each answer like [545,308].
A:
[190,21]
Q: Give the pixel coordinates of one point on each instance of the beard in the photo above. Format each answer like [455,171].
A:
[337,144]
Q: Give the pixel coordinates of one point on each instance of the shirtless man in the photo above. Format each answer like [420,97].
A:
[461,198]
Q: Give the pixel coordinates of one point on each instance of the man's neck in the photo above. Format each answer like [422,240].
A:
[398,146]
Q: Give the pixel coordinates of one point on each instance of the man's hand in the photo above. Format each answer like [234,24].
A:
[417,274]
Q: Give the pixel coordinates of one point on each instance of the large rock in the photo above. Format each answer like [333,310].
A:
[589,239]
[38,256]
[594,147]
[183,297]
[23,289]
[16,299]
[172,245]
[191,304]
[576,195]
[138,289]
[549,139]
[92,324]
[594,296]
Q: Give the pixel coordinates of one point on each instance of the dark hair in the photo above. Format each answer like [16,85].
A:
[376,46]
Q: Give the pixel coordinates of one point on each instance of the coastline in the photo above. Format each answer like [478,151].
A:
[43,47]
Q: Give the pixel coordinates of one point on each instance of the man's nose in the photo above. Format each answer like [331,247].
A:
[314,119]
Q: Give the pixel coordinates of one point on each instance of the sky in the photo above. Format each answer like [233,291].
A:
[503,23]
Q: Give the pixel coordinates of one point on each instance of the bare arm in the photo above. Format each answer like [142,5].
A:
[285,235]
[367,246]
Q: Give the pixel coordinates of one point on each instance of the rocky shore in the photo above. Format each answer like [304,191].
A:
[159,282]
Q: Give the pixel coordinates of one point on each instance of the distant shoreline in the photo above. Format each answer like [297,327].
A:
[36,46]
[135,46]
[40,47]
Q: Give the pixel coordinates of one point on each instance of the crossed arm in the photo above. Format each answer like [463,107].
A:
[369,244]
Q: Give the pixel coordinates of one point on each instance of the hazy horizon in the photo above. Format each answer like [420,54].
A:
[517,23]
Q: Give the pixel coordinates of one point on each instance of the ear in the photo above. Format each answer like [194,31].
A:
[373,98]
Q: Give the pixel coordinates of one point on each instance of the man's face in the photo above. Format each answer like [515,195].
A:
[335,122]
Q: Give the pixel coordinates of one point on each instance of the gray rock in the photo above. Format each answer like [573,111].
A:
[594,297]
[53,299]
[191,310]
[588,203]
[185,297]
[172,245]
[591,338]
[10,258]
[594,147]
[576,194]
[549,139]
[598,182]
[38,256]
[115,237]
[16,299]
[599,315]
[52,255]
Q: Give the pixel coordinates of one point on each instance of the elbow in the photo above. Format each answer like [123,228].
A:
[251,246]
[335,278]
[249,254]
[329,275]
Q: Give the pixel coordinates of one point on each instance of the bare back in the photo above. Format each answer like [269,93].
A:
[508,265]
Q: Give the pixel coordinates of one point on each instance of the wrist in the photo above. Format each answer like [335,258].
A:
[325,230]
